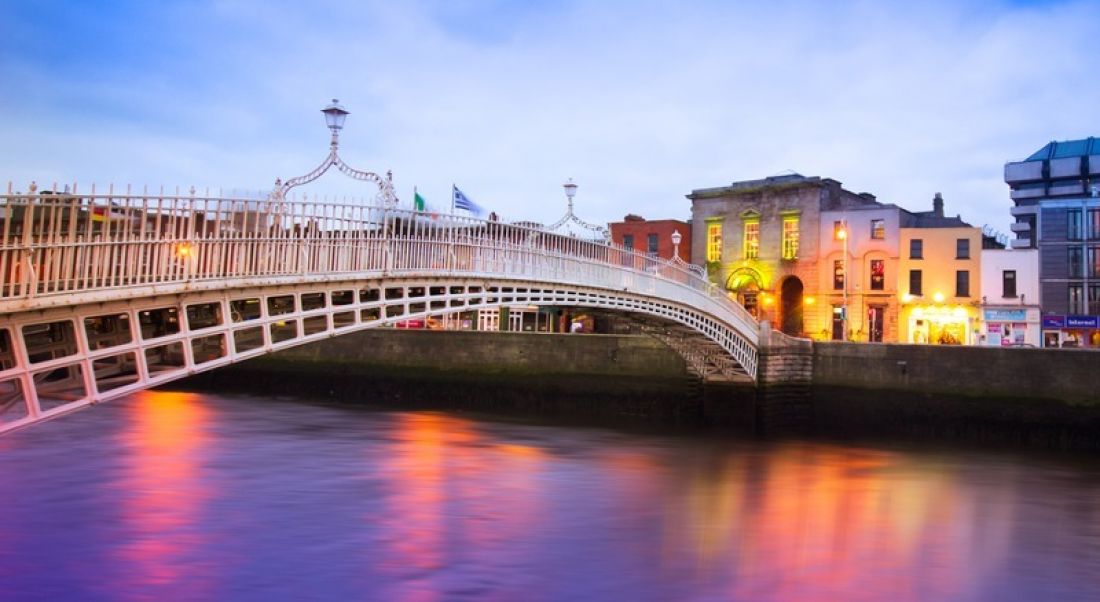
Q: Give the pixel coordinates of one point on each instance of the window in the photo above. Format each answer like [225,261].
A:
[790,238]
[1076,298]
[1073,224]
[915,283]
[838,275]
[651,244]
[628,241]
[962,283]
[1093,224]
[962,248]
[878,274]
[916,249]
[878,229]
[1094,299]
[1008,283]
[751,245]
[1074,262]
[1094,262]
[714,241]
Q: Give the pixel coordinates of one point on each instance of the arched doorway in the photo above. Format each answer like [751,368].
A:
[745,284]
[790,299]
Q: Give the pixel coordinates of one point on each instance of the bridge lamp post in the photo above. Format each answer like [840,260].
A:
[676,238]
[334,119]
[843,235]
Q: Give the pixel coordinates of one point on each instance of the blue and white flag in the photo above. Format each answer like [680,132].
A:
[461,201]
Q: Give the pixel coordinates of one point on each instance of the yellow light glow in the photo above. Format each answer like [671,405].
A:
[769,300]
[808,300]
[938,297]
[907,298]
[959,312]
[183,249]
[841,234]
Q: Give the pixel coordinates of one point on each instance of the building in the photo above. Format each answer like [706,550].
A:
[654,238]
[1010,297]
[1056,197]
[863,242]
[940,275]
[760,240]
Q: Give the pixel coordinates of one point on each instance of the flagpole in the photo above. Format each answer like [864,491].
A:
[454,189]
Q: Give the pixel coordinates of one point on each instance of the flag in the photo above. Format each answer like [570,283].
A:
[418,201]
[461,201]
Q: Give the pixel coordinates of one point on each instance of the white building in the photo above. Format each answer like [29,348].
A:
[1010,297]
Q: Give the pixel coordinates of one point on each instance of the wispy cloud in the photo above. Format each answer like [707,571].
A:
[639,102]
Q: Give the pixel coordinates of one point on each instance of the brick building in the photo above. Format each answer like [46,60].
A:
[652,237]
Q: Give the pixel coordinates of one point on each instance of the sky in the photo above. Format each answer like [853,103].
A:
[639,101]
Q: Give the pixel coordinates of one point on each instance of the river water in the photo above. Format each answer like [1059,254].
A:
[180,496]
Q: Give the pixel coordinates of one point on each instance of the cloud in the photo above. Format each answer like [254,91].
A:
[639,102]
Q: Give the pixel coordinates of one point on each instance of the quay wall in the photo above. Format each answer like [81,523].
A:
[1046,397]
[1042,396]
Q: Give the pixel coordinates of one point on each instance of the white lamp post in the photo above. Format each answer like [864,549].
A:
[676,238]
[334,119]
[570,192]
[843,234]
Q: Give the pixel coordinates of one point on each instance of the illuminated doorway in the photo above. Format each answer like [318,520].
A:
[746,285]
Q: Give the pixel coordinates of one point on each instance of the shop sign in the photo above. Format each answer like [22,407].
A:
[1054,321]
[1081,322]
[1005,315]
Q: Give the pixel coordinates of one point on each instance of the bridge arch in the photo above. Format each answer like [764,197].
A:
[174,286]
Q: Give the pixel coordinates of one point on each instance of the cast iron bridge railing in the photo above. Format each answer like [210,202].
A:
[105,294]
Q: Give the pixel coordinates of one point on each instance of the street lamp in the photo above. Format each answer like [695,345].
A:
[335,115]
[334,119]
[676,238]
[570,192]
[842,234]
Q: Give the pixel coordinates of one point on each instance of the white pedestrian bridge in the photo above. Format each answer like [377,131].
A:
[105,294]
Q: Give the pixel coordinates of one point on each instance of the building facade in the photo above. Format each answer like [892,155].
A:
[761,241]
[859,251]
[1010,297]
[654,238]
[1056,197]
[939,273]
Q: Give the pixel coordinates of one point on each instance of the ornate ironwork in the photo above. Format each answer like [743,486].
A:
[572,217]
[386,195]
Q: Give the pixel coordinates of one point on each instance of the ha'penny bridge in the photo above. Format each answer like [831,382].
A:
[106,293]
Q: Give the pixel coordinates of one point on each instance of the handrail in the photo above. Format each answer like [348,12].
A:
[55,244]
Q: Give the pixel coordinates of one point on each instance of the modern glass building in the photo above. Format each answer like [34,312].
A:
[1056,192]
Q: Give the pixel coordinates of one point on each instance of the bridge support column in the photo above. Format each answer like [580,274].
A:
[784,379]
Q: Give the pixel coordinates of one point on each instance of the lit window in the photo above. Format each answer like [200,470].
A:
[878,274]
[838,274]
[751,245]
[790,238]
[714,241]
[1076,299]
[878,229]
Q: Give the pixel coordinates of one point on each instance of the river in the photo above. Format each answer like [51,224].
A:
[183,496]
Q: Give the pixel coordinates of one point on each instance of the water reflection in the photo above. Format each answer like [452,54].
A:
[180,496]
[161,489]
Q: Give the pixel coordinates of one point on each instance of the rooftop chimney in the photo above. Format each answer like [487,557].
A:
[937,205]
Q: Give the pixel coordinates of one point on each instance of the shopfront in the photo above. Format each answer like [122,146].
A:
[942,325]
[1071,331]
[1010,326]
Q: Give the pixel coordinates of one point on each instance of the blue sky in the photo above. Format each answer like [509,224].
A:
[639,101]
